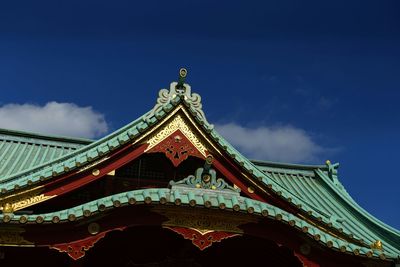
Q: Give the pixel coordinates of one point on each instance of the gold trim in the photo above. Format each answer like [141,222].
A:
[201,131]
[92,164]
[176,124]
[204,221]
[321,228]
[202,231]
[29,201]
[167,118]
[15,195]
[210,144]
[7,208]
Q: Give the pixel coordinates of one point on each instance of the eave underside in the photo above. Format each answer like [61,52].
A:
[309,186]
[165,199]
[302,184]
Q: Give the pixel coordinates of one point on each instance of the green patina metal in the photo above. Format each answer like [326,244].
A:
[21,151]
[314,190]
[204,180]
[163,196]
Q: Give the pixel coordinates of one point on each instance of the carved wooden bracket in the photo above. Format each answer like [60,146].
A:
[176,148]
[201,239]
[78,248]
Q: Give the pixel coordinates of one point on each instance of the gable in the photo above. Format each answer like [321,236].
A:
[177,128]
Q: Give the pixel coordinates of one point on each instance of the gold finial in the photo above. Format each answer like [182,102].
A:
[8,208]
[181,81]
[377,245]
[328,162]
[183,72]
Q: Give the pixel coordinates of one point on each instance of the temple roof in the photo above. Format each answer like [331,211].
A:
[21,151]
[197,197]
[30,159]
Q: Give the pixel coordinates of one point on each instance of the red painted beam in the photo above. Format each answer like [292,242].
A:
[238,182]
[272,199]
[74,180]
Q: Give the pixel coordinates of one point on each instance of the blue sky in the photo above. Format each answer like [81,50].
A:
[322,79]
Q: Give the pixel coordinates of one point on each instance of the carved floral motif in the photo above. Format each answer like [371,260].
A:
[77,249]
[30,201]
[23,201]
[165,96]
[201,239]
[205,180]
[176,148]
[177,141]
[177,124]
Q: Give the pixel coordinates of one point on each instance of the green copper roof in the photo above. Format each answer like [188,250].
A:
[314,186]
[314,190]
[20,151]
[94,150]
[204,198]
[317,191]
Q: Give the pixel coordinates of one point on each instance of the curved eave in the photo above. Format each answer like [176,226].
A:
[93,151]
[387,232]
[328,196]
[306,208]
[201,199]
[131,132]
[79,157]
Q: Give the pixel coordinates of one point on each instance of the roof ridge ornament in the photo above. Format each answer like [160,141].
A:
[182,77]
[205,178]
[182,90]
[332,170]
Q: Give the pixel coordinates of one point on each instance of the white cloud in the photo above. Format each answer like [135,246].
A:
[284,143]
[55,118]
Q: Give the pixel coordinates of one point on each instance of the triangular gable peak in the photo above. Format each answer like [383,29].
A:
[176,127]
[186,132]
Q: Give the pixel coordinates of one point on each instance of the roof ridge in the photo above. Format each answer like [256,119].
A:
[72,154]
[360,211]
[10,133]
[164,105]
[233,203]
[266,163]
